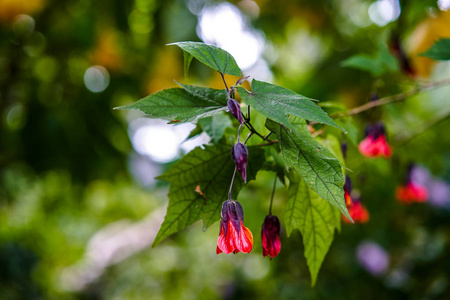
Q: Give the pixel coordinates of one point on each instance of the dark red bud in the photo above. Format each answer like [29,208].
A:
[239,154]
[235,109]
[270,233]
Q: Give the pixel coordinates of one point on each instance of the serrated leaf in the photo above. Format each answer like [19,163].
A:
[276,103]
[212,56]
[319,168]
[185,104]
[199,184]
[315,218]
[215,126]
[187,62]
[440,50]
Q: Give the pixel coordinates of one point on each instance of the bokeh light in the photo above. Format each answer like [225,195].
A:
[382,12]
[96,79]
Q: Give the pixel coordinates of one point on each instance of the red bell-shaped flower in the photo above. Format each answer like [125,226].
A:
[270,233]
[375,143]
[234,236]
[357,211]
[411,191]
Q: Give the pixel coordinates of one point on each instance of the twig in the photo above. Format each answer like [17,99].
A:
[394,98]
[404,138]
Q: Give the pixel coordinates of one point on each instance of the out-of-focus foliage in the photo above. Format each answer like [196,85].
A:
[75,221]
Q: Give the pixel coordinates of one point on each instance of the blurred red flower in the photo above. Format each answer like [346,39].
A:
[411,193]
[375,143]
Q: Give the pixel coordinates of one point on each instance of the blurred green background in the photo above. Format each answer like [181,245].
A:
[79,207]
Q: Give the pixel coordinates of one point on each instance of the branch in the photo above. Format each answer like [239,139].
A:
[394,98]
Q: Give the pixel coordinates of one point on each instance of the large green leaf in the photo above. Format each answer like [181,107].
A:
[212,56]
[315,218]
[276,102]
[185,104]
[215,126]
[199,184]
[440,50]
[319,168]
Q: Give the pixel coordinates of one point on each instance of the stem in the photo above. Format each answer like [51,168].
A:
[404,138]
[273,193]
[394,98]
[224,82]
[249,135]
[231,185]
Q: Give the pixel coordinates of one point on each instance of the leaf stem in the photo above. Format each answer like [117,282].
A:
[224,82]
[393,98]
[273,193]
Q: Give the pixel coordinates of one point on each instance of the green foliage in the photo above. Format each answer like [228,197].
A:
[215,126]
[199,184]
[276,102]
[440,50]
[212,56]
[381,63]
[314,217]
[319,168]
[185,104]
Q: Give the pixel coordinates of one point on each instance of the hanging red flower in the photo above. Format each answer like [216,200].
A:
[234,236]
[270,233]
[375,143]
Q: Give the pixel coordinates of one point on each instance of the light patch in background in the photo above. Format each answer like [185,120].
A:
[444,4]
[23,25]
[225,26]
[160,141]
[382,12]
[96,79]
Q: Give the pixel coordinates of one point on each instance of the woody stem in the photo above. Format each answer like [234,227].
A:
[394,98]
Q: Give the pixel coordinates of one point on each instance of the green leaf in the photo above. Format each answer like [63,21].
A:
[215,126]
[380,63]
[276,102]
[351,128]
[199,184]
[187,62]
[319,168]
[185,104]
[440,50]
[364,63]
[212,56]
[315,218]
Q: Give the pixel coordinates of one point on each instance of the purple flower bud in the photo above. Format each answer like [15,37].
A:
[239,154]
[344,148]
[235,109]
[242,80]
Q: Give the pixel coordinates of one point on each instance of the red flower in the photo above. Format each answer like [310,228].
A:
[270,232]
[375,144]
[357,211]
[411,193]
[234,236]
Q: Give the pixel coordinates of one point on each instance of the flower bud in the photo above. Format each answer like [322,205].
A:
[235,109]
[239,154]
